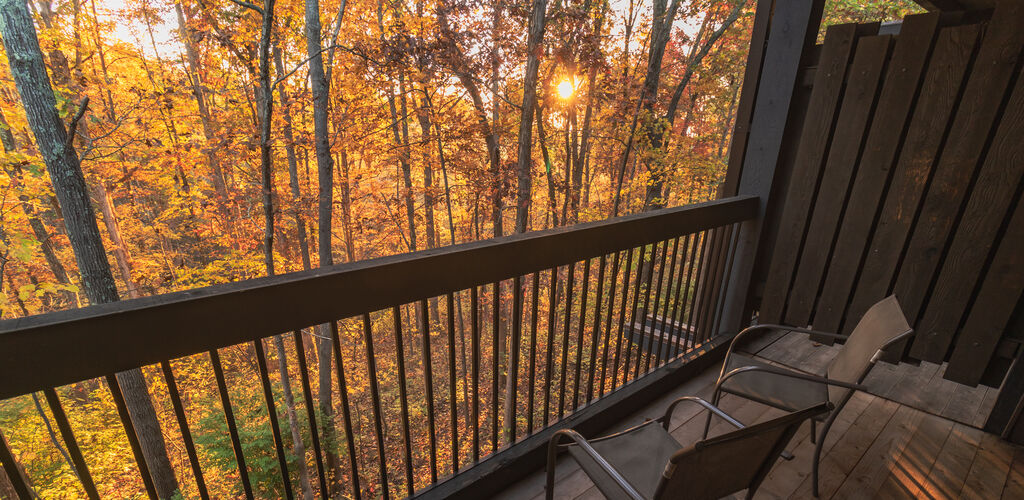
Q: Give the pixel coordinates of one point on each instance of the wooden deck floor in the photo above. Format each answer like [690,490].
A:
[914,436]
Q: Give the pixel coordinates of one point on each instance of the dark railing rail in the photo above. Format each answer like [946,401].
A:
[483,343]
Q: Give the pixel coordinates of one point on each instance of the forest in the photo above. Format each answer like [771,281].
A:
[152,146]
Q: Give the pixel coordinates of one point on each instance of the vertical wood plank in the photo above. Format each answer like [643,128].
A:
[979,110]
[939,94]
[816,135]
[999,295]
[794,26]
[854,117]
[888,127]
[994,192]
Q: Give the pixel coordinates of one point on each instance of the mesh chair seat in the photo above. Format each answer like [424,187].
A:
[782,392]
[638,454]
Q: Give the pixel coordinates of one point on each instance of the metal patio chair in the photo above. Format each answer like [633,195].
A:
[881,327]
[646,462]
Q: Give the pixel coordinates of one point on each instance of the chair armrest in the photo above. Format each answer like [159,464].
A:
[707,406]
[771,326]
[553,445]
[787,373]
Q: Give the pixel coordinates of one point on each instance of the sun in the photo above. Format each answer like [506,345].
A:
[566,89]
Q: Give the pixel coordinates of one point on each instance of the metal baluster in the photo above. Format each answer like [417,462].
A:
[268,396]
[666,339]
[474,319]
[707,289]
[726,273]
[608,324]
[565,337]
[64,426]
[346,411]
[579,335]
[678,332]
[133,438]
[229,416]
[11,468]
[596,337]
[549,362]
[698,282]
[186,433]
[533,353]
[428,376]
[651,302]
[307,395]
[452,381]
[495,359]
[403,398]
[371,369]
[513,359]
[642,257]
[622,317]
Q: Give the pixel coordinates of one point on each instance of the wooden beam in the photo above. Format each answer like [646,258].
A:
[803,187]
[793,29]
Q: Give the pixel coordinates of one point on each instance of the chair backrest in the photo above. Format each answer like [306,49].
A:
[725,464]
[881,325]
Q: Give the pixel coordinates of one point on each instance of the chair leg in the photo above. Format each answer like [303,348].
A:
[549,487]
[813,427]
[818,448]
[714,400]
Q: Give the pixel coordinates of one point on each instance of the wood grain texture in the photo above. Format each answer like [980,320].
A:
[854,117]
[975,119]
[811,153]
[995,190]
[899,93]
[1000,292]
[939,94]
[870,472]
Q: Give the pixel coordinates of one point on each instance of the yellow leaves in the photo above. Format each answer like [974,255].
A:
[40,290]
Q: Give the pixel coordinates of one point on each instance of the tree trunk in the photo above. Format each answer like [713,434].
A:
[293,162]
[346,208]
[542,138]
[524,163]
[121,255]
[400,134]
[325,174]
[657,133]
[38,229]
[458,64]
[29,72]
[192,57]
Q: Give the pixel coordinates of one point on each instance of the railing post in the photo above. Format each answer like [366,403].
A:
[792,30]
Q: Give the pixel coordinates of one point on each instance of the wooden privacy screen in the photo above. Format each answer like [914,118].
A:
[906,179]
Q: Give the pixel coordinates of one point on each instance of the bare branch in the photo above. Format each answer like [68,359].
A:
[73,126]
[300,65]
[248,5]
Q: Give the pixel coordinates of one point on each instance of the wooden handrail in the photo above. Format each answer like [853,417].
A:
[64,347]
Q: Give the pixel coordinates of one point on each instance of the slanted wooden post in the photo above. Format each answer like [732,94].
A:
[793,28]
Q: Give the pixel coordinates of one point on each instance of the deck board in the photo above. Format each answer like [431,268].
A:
[879,446]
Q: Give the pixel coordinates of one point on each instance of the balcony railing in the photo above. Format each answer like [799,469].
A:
[440,358]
